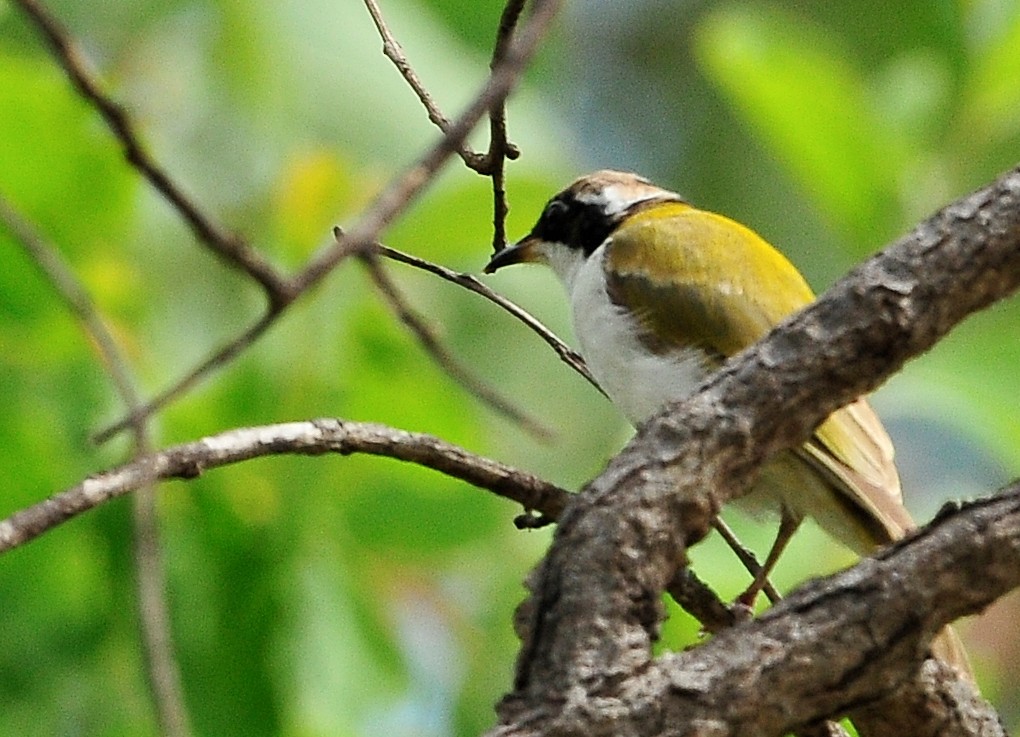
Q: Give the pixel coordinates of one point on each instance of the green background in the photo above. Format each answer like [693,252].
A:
[360,596]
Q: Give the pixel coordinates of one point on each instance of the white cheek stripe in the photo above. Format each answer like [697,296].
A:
[614,200]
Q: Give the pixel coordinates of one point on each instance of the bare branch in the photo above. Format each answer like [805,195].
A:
[230,247]
[390,203]
[400,193]
[431,344]
[490,164]
[72,293]
[217,360]
[313,437]
[820,653]
[500,148]
[162,668]
[567,354]
[395,53]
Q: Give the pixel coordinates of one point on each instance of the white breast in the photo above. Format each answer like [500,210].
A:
[638,381]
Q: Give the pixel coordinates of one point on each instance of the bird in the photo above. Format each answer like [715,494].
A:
[661,294]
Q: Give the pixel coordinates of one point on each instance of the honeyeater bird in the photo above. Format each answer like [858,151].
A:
[661,294]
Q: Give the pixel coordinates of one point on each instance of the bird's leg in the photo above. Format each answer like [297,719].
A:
[747,558]
[788,524]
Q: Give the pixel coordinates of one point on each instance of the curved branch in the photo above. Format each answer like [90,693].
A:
[567,354]
[312,437]
[431,344]
[822,652]
[218,359]
[399,194]
[394,199]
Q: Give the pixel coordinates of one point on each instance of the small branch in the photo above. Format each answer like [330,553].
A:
[745,556]
[217,360]
[154,619]
[230,247]
[500,148]
[700,601]
[432,345]
[163,671]
[394,199]
[393,51]
[72,294]
[469,282]
[313,437]
[400,193]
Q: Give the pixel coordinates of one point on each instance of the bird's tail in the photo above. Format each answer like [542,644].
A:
[948,648]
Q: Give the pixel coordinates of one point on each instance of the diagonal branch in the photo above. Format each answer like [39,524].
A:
[567,354]
[217,360]
[401,192]
[492,163]
[313,437]
[432,345]
[394,200]
[823,652]
[163,670]
[393,51]
[228,246]
[500,148]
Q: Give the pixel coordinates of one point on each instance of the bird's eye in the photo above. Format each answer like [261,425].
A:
[554,222]
[555,212]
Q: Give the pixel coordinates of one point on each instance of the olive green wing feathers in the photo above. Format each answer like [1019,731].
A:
[726,269]
[735,288]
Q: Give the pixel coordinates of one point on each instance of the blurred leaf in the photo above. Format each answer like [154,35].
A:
[991,105]
[797,89]
[56,155]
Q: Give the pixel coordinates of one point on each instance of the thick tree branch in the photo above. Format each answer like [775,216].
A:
[313,437]
[821,652]
[595,610]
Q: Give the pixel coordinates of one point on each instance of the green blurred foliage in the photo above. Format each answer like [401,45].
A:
[335,596]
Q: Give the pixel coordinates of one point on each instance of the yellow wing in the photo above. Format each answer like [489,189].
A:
[735,288]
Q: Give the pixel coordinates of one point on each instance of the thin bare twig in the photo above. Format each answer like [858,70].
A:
[500,148]
[401,192]
[746,556]
[230,247]
[432,345]
[567,354]
[393,51]
[71,293]
[492,163]
[313,437]
[220,358]
[162,668]
[163,671]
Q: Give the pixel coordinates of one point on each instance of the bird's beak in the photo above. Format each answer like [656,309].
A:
[522,252]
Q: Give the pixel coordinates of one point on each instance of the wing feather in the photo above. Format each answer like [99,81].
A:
[733,293]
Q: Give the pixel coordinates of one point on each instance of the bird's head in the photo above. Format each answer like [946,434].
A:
[579,219]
